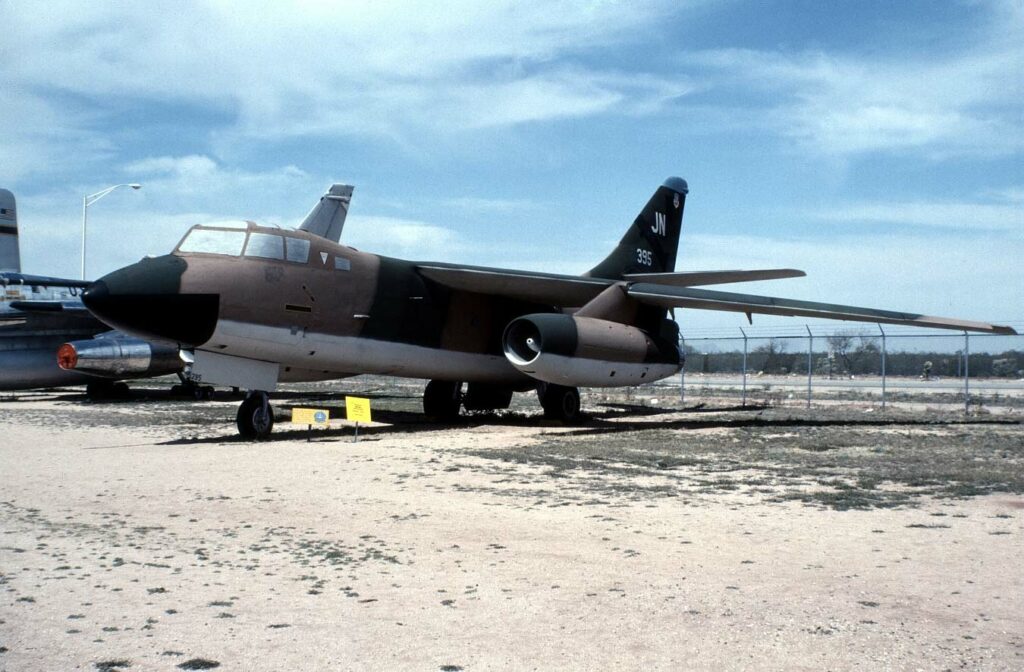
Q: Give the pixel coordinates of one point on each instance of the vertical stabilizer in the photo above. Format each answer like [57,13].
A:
[10,259]
[651,242]
[327,218]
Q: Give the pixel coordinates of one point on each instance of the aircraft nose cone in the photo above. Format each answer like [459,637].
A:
[145,300]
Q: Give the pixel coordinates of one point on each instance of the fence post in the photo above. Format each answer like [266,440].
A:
[744,366]
[810,363]
[682,370]
[883,365]
[967,373]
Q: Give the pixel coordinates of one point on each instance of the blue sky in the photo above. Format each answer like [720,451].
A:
[876,145]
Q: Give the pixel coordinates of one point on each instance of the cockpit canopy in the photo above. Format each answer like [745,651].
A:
[241,238]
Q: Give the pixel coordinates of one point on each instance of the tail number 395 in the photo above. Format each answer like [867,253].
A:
[644,257]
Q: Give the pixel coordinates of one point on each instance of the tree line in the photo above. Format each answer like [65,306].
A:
[853,355]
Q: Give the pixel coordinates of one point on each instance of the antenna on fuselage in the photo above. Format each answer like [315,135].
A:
[327,218]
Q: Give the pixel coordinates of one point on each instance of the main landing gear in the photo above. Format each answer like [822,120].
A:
[442,400]
[255,416]
[560,403]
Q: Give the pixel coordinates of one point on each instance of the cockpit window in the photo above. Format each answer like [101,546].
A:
[212,241]
[265,245]
[298,250]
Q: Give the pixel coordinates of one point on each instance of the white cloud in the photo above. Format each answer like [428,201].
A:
[959,216]
[199,181]
[963,102]
[313,67]
[177,192]
[1006,195]
[404,238]
[474,204]
[408,71]
[193,166]
[42,135]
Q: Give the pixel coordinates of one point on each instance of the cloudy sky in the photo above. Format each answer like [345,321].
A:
[879,146]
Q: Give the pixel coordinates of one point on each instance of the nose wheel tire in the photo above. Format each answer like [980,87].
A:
[441,400]
[255,417]
[560,403]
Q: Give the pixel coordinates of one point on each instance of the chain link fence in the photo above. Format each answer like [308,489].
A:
[873,367]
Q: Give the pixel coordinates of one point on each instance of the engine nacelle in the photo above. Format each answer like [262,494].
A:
[589,352]
[119,357]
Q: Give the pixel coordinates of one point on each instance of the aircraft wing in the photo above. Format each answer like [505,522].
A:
[694,278]
[547,288]
[705,299]
[67,308]
[19,319]
[40,280]
[575,290]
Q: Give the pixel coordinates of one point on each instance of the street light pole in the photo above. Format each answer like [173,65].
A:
[89,200]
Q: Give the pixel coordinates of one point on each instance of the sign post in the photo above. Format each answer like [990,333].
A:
[320,417]
[357,409]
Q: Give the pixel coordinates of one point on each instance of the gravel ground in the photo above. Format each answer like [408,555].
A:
[142,535]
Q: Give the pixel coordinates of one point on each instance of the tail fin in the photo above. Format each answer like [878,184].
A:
[650,244]
[327,218]
[10,259]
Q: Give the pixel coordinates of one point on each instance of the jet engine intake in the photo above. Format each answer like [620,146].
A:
[119,357]
[585,351]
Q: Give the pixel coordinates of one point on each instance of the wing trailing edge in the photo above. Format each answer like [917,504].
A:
[696,278]
[704,299]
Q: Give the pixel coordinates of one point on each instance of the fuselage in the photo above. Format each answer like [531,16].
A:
[320,310]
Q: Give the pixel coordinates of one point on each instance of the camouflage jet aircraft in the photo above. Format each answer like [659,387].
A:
[252,305]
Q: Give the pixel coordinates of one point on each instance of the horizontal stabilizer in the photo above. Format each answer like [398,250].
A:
[697,278]
[705,299]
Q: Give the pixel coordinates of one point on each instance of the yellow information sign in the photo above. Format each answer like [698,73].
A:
[357,409]
[311,416]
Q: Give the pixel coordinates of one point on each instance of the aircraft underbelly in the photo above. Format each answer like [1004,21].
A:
[350,355]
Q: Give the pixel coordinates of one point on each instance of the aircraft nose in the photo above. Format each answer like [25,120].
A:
[145,300]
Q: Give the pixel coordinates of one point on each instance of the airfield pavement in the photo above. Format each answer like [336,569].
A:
[142,535]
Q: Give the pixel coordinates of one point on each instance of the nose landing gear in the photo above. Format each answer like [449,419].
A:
[255,416]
